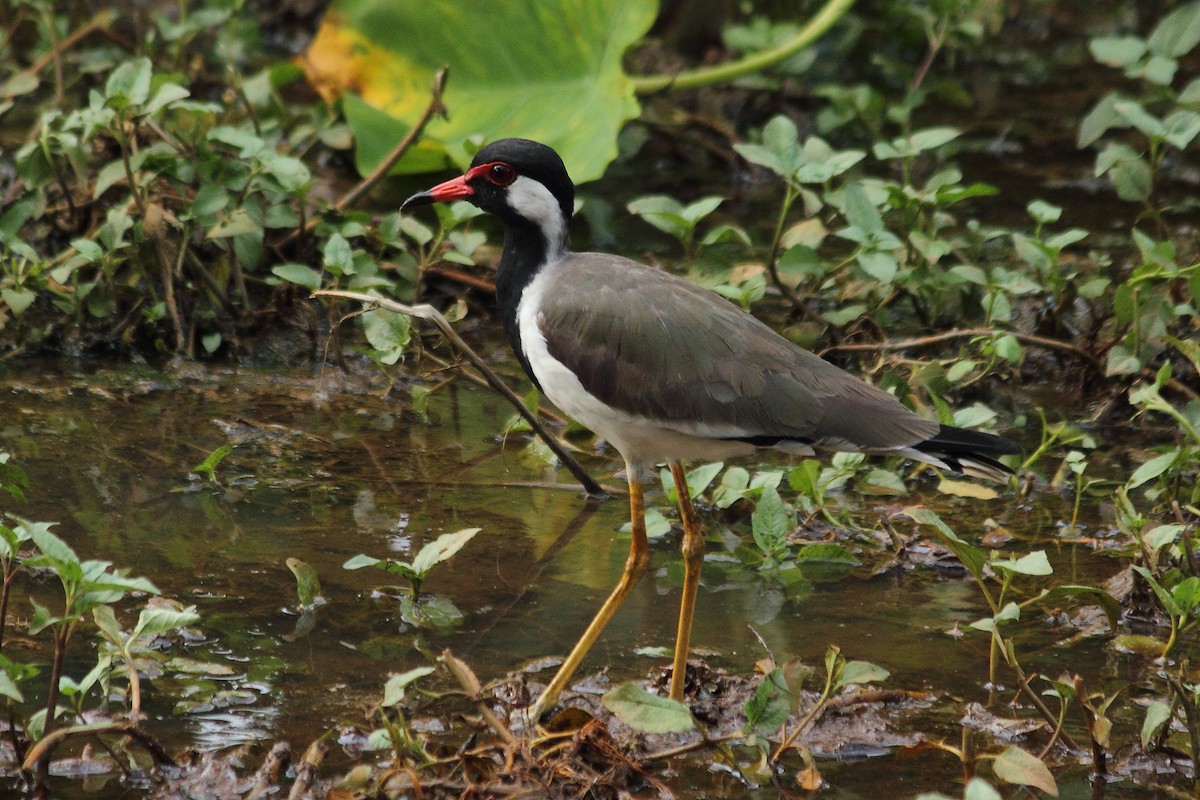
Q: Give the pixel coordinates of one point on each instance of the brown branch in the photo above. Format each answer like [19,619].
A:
[46,745]
[946,336]
[435,108]
[431,314]
[470,684]
[306,770]
[100,21]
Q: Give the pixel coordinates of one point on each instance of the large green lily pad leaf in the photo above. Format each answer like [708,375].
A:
[542,69]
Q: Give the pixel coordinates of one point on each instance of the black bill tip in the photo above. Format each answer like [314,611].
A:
[418,199]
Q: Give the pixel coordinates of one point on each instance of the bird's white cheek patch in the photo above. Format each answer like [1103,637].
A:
[533,201]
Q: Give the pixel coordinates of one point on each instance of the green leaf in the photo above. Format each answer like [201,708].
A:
[42,618]
[387,332]
[1016,766]
[770,705]
[1190,96]
[49,544]
[361,560]
[545,71]
[1009,348]
[431,613]
[308,585]
[882,482]
[979,789]
[931,138]
[245,140]
[129,84]
[442,548]
[301,274]
[155,621]
[826,552]
[879,265]
[167,94]
[916,143]
[733,234]
[1044,213]
[694,212]
[1176,33]
[1152,469]
[393,690]
[971,556]
[664,213]
[1187,594]
[1120,361]
[106,621]
[338,257]
[19,83]
[235,223]
[699,478]
[859,672]
[1188,348]
[18,300]
[646,712]
[1164,596]
[8,688]
[1139,118]
[780,149]
[108,175]
[1100,119]
[771,524]
[1133,179]
[1034,563]
[1156,69]
[860,211]
[1180,128]
[208,467]
[1161,535]
[1158,714]
[1117,51]
[291,173]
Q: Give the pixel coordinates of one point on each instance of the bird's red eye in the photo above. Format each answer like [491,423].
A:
[501,174]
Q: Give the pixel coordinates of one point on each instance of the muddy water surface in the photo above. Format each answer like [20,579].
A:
[323,468]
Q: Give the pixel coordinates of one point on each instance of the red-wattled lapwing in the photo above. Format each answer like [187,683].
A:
[667,371]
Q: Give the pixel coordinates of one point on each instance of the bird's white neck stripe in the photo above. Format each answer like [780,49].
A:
[533,201]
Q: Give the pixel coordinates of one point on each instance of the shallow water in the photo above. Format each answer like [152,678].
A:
[324,468]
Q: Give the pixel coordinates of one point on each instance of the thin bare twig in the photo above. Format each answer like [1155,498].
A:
[470,684]
[435,108]
[100,21]
[967,333]
[306,770]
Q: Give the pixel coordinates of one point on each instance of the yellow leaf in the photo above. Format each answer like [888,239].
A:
[967,489]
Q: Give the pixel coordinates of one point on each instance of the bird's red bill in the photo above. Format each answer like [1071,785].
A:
[453,189]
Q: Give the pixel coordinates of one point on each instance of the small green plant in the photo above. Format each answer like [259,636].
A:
[672,217]
[207,468]
[988,569]
[395,730]
[1176,468]
[89,590]
[1179,597]
[415,608]
[1166,120]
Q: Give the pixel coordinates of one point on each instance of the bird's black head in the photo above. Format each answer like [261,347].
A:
[523,182]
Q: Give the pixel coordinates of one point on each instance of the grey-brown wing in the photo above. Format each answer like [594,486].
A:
[658,346]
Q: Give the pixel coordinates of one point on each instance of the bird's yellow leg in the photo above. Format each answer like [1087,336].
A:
[693,558]
[635,568]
